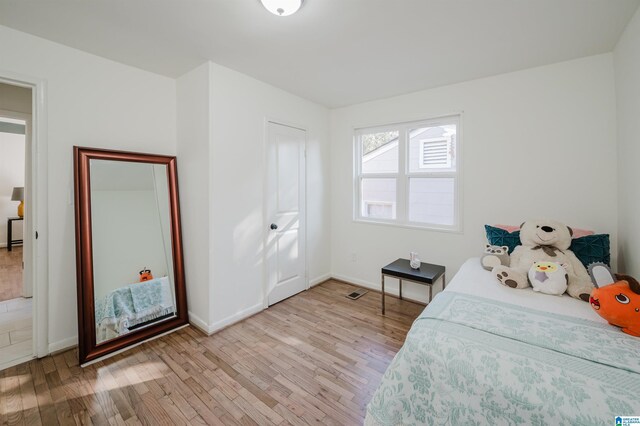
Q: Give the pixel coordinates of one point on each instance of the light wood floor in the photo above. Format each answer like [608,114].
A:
[15,330]
[15,311]
[315,358]
[10,273]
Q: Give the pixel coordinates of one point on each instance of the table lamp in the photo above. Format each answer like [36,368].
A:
[18,195]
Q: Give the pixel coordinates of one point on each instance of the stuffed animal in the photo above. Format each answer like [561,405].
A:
[617,300]
[545,241]
[145,275]
[494,256]
[548,278]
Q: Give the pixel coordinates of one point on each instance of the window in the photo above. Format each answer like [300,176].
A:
[408,173]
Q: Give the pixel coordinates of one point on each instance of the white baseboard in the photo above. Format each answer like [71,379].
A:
[319,280]
[93,361]
[194,320]
[9,364]
[63,344]
[239,316]
[358,281]
[209,329]
[71,342]
[245,313]
[389,288]
[198,323]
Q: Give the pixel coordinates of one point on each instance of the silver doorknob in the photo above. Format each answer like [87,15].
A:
[274,226]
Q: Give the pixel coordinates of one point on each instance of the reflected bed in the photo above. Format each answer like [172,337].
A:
[132,306]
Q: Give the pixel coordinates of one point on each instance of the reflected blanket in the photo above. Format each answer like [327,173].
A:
[131,305]
[470,360]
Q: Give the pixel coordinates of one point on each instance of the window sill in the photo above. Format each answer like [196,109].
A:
[447,230]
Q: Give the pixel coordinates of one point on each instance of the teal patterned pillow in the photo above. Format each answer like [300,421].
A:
[588,249]
[592,248]
[501,237]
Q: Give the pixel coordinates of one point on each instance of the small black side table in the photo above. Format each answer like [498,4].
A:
[10,240]
[427,274]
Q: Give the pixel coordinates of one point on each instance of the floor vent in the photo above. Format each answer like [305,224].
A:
[356,294]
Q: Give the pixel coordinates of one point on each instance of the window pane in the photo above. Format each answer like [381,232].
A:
[432,200]
[380,152]
[378,198]
[432,149]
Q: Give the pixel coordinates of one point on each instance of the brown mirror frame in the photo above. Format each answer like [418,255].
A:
[87,348]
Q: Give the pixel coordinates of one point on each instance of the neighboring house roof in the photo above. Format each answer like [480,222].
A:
[380,150]
[392,144]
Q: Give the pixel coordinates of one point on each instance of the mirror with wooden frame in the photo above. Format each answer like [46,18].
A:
[130,270]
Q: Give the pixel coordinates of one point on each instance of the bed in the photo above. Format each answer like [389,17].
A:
[482,353]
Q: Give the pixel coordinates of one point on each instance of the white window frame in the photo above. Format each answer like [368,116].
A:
[403,175]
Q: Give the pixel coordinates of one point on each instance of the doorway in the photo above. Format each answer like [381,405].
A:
[16,286]
[286,212]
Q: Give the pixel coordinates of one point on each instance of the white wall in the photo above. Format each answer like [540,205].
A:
[93,102]
[536,143]
[627,72]
[14,98]
[194,138]
[221,142]
[240,105]
[11,175]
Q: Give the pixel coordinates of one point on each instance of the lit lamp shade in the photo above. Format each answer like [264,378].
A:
[18,195]
[282,7]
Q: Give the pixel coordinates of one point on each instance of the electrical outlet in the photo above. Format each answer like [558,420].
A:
[354,257]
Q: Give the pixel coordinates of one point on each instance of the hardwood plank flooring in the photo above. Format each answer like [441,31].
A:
[315,358]
[15,311]
[15,329]
[10,273]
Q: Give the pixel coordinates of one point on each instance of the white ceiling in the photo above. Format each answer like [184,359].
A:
[334,52]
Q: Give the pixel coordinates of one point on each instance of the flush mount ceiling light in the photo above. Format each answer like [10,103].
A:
[282,7]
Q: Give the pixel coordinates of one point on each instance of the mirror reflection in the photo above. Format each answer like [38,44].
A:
[132,254]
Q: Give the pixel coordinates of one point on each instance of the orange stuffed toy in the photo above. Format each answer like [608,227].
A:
[145,275]
[617,300]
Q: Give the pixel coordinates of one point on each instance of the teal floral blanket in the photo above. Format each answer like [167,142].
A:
[131,305]
[474,361]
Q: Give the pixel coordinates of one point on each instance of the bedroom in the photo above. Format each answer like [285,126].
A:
[547,95]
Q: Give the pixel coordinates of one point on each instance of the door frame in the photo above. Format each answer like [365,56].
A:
[36,167]
[265,219]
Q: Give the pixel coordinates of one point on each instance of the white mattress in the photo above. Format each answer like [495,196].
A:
[473,279]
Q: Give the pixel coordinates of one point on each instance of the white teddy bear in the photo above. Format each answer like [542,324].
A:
[545,241]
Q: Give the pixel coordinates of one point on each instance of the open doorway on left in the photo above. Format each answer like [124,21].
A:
[16,315]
